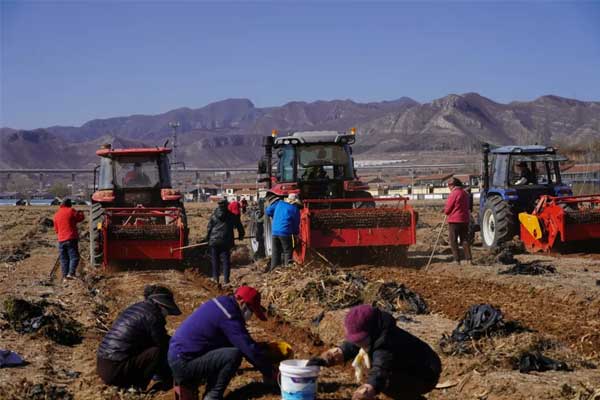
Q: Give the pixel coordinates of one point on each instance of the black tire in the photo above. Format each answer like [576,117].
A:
[498,223]
[256,233]
[96,216]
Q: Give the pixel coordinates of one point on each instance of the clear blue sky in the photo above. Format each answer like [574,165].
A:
[64,63]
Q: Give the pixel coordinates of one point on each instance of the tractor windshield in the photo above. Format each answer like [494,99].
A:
[535,170]
[136,172]
[315,162]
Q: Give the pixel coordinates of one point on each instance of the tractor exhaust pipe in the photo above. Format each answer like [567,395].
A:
[268,142]
[486,167]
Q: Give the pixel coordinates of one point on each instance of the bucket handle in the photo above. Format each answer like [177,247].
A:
[278,379]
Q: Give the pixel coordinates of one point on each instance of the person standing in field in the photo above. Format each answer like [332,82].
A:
[65,226]
[458,213]
[286,224]
[221,240]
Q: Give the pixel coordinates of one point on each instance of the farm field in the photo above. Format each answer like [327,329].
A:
[559,311]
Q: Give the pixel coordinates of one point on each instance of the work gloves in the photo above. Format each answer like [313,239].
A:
[331,357]
[364,392]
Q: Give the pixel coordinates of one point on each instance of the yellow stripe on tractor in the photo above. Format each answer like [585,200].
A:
[532,224]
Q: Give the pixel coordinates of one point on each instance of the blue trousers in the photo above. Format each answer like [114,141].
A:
[219,257]
[69,256]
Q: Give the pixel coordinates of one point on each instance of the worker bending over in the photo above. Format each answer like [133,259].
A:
[286,224]
[134,350]
[401,365]
[209,345]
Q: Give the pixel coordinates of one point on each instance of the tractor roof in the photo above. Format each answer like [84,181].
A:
[148,151]
[523,149]
[314,137]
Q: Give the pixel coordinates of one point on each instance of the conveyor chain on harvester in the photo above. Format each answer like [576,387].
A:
[144,232]
[361,218]
[589,216]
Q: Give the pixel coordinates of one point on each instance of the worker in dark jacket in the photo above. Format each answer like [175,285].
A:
[135,348]
[286,224]
[221,240]
[209,345]
[401,365]
[458,211]
[65,226]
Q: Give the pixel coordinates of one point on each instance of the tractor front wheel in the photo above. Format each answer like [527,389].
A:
[498,222]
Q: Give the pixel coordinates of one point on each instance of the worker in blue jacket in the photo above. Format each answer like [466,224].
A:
[209,345]
[286,224]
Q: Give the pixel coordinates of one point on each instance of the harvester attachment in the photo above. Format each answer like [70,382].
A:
[560,220]
[376,228]
[142,234]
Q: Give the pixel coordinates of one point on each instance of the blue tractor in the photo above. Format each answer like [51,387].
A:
[513,179]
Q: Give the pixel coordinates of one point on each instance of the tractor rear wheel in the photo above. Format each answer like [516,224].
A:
[256,233]
[96,217]
[498,222]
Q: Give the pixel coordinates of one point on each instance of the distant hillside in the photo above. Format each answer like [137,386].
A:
[228,133]
[465,121]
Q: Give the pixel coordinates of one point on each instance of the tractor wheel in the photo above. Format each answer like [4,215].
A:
[498,222]
[256,233]
[96,217]
[363,195]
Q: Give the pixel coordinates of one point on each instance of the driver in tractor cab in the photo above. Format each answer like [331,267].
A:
[527,177]
[136,177]
[316,172]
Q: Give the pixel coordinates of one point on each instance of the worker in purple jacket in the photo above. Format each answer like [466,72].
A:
[209,345]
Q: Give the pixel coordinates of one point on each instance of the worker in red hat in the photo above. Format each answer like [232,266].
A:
[209,345]
[397,363]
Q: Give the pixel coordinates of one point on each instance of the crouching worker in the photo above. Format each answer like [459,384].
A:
[209,345]
[134,351]
[398,364]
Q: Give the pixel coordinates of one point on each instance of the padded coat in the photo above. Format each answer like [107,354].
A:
[139,327]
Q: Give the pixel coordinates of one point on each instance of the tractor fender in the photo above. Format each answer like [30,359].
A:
[532,224]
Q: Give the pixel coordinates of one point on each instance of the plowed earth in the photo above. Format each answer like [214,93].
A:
[561,311]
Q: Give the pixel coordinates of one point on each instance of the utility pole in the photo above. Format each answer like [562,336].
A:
[174,125]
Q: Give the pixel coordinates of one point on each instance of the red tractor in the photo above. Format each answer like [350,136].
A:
[339,217]
[136,216]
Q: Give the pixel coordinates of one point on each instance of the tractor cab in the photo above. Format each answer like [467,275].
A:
[318,162]
[132,177]
[514,179]
[521,174]
[317,165]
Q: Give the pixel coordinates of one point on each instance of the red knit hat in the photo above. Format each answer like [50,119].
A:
[357,322]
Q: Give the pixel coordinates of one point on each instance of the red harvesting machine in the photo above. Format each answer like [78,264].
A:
[136,216]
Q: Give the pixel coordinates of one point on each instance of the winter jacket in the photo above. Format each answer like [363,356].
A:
[394,351]
[457,206]
[286,218]
[65,223]
[220,228]
[216,324]
[138,328]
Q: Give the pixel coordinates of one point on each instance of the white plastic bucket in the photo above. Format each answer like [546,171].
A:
[298,382]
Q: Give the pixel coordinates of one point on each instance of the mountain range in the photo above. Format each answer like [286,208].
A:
[229,132]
